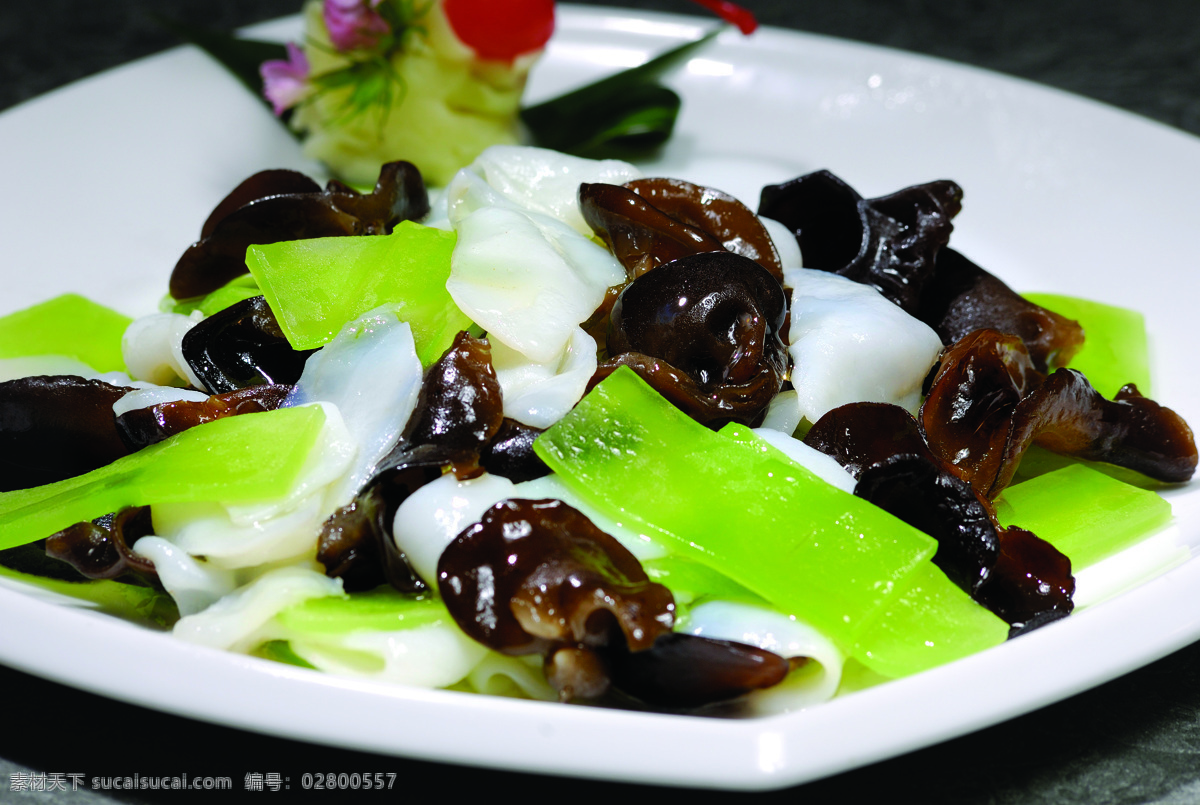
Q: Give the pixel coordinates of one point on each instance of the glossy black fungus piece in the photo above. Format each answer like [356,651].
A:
[857,435]
[142,427]
[1036,622]
[242,346]
[967,414]
[682,671]
[1066,415]
[919,491]
[510,453]
[536,575]
[264,184]
[297,214]
[890,242]
[460,406]
[883,446]
[56,427]
[356,544]
[987,403]
[1030,579]
[99,551]
[962,297]
[717,214]
[704,331]
[640,235]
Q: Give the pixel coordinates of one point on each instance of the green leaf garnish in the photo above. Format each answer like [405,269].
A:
[623,114]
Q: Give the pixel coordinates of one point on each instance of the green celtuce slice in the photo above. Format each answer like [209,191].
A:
[928,621]
[1086,514]
[316,286]
[1114,352]
[69,325]
[138,604]
[238,459]
[381,610]
[813,551]
[692,582]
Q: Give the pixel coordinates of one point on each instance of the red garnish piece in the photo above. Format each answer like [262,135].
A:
[733,14]
[501,30]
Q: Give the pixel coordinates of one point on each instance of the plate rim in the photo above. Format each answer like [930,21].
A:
[767,764]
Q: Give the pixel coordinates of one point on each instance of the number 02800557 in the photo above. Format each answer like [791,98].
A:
[343,781]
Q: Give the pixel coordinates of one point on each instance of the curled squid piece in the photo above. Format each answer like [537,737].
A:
[241,346]
[539,394]
[281,205]
[235,621]
[56,427]
[371,372]
[537,180]
[849,344]
[152,348]
[704,332]
[527,279]
[988,402]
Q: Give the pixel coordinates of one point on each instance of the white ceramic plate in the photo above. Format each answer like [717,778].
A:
[110,178]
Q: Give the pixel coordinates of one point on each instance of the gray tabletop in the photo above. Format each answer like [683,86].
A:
[1136,739]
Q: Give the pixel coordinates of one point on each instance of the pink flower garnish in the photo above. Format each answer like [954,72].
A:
[354,24]
[732,13]
[285,83]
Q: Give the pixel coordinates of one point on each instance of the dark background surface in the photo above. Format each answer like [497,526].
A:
[1136,739]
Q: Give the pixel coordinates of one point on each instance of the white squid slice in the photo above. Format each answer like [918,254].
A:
[785,243]
[155,395]
[540,394]
[430,518]
[541,180]
[813,683]
[235,622]
[431,656]
[528,279]
[849,344]
[371,372]
[819,464]
[152,348]
[193,583]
